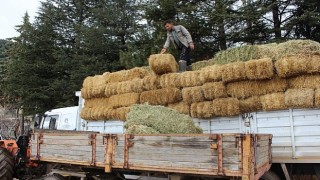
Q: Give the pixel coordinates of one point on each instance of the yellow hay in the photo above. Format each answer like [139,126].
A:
[313,64]
[170,80]
[291,66]
[86,113]
[233,72]
[304,81]
[181,107]
[274,101]
[213,90]
[94,86]
[151,82]
[192,94]
[111,89]
[116,114]
[259,69]
[97,113]
[124,100]
[226,106]
[244,89]
[190,79]
[126,75]
[299,98]
[96,102]
[317,98]
[163,63]
[85,93]
[211,73]
[250,104]
[161,96]
[87,82]
[202,110]
[135,85]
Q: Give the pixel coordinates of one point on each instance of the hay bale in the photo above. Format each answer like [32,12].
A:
[123,100]
[317,98]
[250,104]
[97,113]
[291,66]
[274,101]
[313,64]
[88,82]
[116,114]
[135,85]
[259,69]
[244,89]
[181,107]
[86,113]
[170,80]
[190,79]
[96,102]
[213,90]
[163,63]
[211,73]
[199,65]
[297,48]
[141,129]
[162,119]
[202,110]
[299,98]
[151,82]
[161,96]
[111,89]
[126,75]
[243,53]
[233,72]
[192,94]
[85,93]
[304,81]
[226,106]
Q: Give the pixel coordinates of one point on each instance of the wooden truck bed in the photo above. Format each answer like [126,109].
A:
[234,155]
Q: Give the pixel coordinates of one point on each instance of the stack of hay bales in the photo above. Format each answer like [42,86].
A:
[245,79]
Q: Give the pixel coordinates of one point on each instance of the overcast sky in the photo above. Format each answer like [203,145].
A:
[12,12]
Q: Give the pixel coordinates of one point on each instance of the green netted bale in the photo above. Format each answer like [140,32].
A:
[304,81]
[244,89]
[259,69]
[202,110]
[161,96]
[163,63]
[250,104]
[233,72]
[213,90]
[161,119]
[192,94]
[226,106]
[274,101]
[297,48]
[211,73]
[299,98]
[170,80]
[181,107]
[190,79]
[141,129]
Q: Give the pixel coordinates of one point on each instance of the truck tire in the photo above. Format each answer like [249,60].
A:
[270,175]
[53,176]
[6,165]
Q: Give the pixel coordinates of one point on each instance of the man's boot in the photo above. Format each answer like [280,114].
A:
[182,65]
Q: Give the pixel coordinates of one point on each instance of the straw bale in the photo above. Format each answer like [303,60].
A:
[151,82]
[304,81]
[317,98]
[116,114]
[97,87]
[202,110]
[141,129]
[233,72]
[161,96]
[313,64]
[192,94]
[86,113]
[213,90]
[162,119]
[96,102]
[97,113]
[190,79]
[170,80]
[211,73]
[85,93]
[244,89]
[291,66]
[163,63]
[250,104]
[87,82]
[123,100]
[135,85]
[111,89]
[273,101]
[297,48]
[226,106]
[259,69]
[181,107]
[126,75]
[299,98]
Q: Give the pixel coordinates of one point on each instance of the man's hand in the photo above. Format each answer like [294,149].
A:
[191,45]
[163,50]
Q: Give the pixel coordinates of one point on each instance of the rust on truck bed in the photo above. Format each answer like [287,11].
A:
[232,155]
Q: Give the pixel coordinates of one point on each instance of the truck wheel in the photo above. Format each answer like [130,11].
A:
[6,165]
[53,176]
[270,175]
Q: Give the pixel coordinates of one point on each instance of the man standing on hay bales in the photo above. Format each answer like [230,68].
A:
[181,39]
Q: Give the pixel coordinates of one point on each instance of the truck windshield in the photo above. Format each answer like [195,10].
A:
[49,122]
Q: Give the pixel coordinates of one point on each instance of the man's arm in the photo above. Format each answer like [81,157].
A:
[166,45]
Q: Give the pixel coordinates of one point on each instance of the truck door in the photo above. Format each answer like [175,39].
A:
[49,122]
